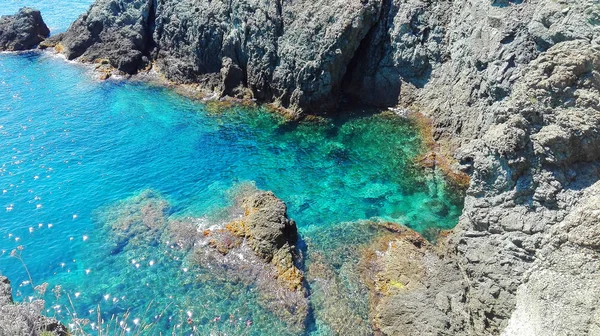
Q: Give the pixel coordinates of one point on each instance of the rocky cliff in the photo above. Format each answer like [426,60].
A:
[512,88]
[22,31]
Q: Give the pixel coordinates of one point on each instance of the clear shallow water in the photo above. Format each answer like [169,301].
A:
[70,147]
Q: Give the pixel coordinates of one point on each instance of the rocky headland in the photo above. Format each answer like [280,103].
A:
[22,31]
[512,87]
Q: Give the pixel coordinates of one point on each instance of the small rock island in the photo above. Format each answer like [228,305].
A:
[22,31]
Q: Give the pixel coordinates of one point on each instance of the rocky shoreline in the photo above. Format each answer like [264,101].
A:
[512,88]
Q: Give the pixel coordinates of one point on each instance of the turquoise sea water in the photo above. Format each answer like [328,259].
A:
[72,146]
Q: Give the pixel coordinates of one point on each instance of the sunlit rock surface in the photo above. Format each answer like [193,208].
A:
[25,318]
[254,244]
[22,31]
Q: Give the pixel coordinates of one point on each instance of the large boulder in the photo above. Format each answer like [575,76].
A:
[22,31]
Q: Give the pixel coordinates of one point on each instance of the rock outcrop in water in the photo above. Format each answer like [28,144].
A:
[270,234]
[22,31]
[253,244]
[24,318]
[512,88]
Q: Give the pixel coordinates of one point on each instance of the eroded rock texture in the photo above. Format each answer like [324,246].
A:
[23,30]
[512,87]
[253,244]
[25,318]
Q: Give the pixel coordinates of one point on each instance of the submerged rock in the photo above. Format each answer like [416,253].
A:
[25,318]
[22,31]
[512,88]
[254,244]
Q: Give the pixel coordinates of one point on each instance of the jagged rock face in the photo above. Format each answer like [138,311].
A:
[271,235]
[22,31]
[292,52]
[119,31]
[511,86]
[25,318]
[562,288]
[265,225]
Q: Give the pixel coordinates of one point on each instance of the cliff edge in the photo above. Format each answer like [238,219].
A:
[22,319]
[512,88]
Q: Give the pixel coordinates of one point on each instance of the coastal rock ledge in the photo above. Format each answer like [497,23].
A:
[512,88]
[22,31]
[25,318]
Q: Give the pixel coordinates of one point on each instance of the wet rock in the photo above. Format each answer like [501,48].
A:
[265,225]
[25,318]
[511,86]
[22,31]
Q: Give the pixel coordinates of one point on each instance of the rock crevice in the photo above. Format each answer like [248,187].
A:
[512,88]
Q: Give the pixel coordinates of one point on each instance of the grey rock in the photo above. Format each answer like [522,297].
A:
[561,290]
[22,319]
[512,88]
[5,291]
[22,31]
[294,53]
[119,31]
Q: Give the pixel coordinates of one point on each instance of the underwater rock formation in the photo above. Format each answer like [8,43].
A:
[512,88]
[22,31]
[255,244]
[25,318]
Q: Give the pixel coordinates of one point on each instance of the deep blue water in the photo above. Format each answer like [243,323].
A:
[70,146]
